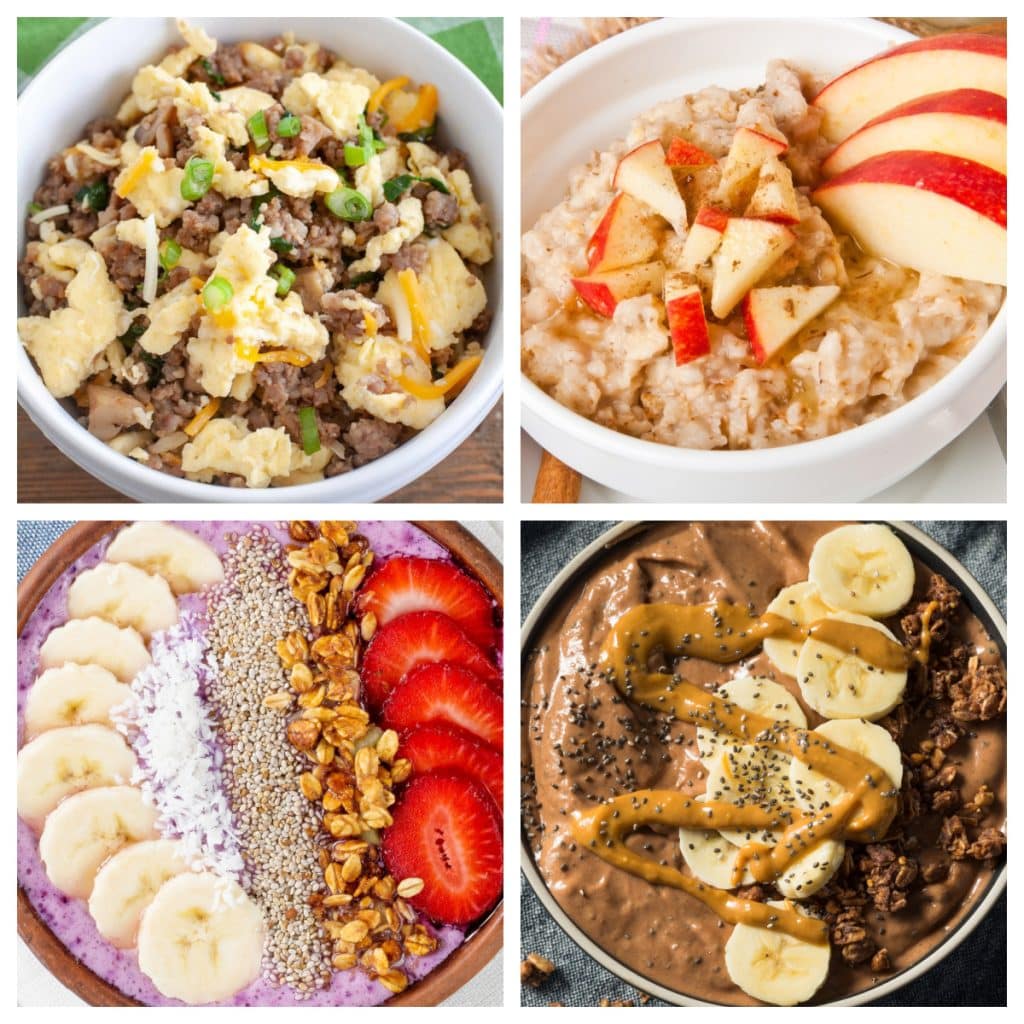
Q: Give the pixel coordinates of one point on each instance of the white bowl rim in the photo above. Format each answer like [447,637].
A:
[366,483]
[792,456]
[996,886]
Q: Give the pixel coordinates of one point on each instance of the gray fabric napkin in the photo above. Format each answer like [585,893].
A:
[973,975]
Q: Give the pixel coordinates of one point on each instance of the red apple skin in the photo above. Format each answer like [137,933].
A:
[971,184]
[685,154]
[712,217]
[597,296]
[603,292]
[623,214]
[752,336]
[689,327]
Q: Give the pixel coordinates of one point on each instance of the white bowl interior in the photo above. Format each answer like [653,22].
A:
[612,83]
[102,64]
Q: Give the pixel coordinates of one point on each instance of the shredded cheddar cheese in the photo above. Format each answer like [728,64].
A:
[458,374]
[369,325]
[202,417]
[383,91]
[423,114]
[420,326]
[134,175]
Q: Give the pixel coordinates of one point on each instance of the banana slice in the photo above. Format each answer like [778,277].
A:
[799,603]
[65,761]
[812,871]
[125,596]
[752,776]
[841,685]
[127,883]
[863,568]
[774,967]
[814,790]
[72,695]
[752,693]
[96,642]
[710,857]
[201,939]
[185,561]
[87,828]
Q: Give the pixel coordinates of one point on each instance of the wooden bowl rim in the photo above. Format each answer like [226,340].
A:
[448,977]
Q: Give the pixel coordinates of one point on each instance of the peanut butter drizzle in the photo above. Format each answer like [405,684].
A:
[724,633]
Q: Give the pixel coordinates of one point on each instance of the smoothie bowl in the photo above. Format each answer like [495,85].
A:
[764,763]
[260,763]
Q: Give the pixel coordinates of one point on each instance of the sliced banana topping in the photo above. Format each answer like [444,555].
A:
[799,603]
[841,685]
[711,858]
[863,568]
[65,761]
[201,939]
[185,561]
[774,967]
[73,695]
[812,870]
[95,641]
[127,883]
[125,596]
[89,827]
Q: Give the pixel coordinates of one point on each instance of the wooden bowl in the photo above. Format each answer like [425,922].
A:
[467,961]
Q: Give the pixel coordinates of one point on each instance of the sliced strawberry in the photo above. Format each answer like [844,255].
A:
[433,747]
[413,639]
[403,585]
[447,831]
[445,694]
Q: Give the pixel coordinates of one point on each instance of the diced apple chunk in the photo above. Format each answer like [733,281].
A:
[687,323]
[749,150]
[774,315]
[624,236]
[645,175]
[774,198]
[685,154]
[704,238]
[748,251]
[603,292]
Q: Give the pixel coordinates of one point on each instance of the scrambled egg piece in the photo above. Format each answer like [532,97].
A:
[371,176]
[423,161]
[342,71]
[66,343]
[246,100]
[56,256]
[228,179]
[197,44]
[470,234]
[153,186]
[169,317]
[410,226]
[452,297]
[261,456]
[339,103]
[368,372]
[300,178]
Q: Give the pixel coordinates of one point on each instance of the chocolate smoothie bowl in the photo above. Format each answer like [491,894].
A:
[260,763]
[764,763]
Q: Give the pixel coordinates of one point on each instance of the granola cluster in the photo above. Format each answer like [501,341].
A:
[354,765]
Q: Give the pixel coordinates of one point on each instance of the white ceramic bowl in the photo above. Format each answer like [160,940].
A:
[569,579]
[101,65]
[589,102]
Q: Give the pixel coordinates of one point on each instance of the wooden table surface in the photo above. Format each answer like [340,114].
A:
[473,472]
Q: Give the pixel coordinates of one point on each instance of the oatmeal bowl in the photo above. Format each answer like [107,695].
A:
[260,764]
[774,268]
[258,254]
[765,763]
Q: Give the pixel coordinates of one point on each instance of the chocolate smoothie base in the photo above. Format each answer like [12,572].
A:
[583,742]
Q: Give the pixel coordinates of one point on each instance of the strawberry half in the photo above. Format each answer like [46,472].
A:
[413,639]
[445,694]
[403,585]
[434,747]
[446,831]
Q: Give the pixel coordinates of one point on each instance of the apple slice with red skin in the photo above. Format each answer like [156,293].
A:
[685,154]
[603,292]
[645,175]
[748,251]
[774,315]
[704,238]
[687,323]
[774,198]
[624,236]
[959,60]
[962,122]
[928,211]
[751,147]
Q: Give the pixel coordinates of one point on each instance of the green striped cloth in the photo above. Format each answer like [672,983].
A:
[477,42]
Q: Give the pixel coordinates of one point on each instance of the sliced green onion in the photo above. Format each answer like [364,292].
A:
[133,333]
[355,156]
[394,187]
[215,95]
[364,278]
[198,178]
[289,126]
[34,208]
[285,278]
[281,245]
[258,202]
[212,73]
[170,254]
[217,293]
[434,183]
[310,431]
[348,204]
[257,125]
[94,197]
[420,135]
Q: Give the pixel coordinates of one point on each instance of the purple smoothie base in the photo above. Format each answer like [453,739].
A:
[70,920]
